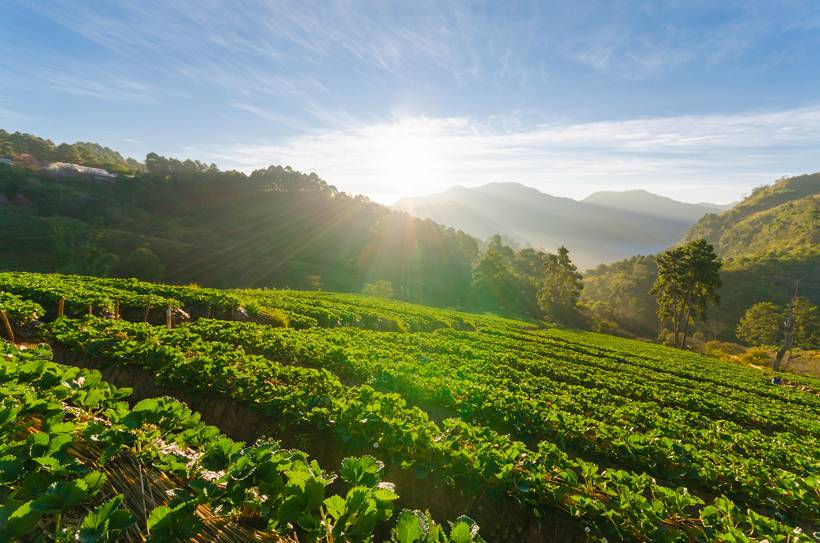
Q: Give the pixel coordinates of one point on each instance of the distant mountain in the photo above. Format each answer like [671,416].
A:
[641,201]
[605,227]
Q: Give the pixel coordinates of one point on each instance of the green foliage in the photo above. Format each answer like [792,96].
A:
[419,527]
[688,277]
[85,153]
[761,324]
[562,286]
[604,397]
[142,263]
[766,243]
[806,332]
[381,289]
[204,225]
[105,523]
[775,221]
[44,481]
[19,310]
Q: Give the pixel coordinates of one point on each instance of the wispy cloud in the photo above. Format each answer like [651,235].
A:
[718,156]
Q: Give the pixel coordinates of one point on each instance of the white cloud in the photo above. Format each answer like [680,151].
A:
[689,157]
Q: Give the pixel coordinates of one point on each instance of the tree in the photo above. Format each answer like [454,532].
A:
[494,284]
[382,289]
[806,323]
[561,287]
[142,263]
[688,278]
[761,324]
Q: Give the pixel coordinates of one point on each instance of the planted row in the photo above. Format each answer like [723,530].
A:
[473,459]
[77,464]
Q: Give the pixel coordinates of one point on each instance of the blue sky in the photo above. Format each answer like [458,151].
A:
[699,101]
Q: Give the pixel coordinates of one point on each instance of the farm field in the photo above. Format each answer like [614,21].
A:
[534,434]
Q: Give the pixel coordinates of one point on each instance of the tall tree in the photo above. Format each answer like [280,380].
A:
[806,323]
[688,278]
[760,324]
[561,287]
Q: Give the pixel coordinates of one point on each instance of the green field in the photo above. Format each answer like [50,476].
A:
[536,434]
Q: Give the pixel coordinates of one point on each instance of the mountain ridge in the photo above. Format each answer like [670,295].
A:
[606,229]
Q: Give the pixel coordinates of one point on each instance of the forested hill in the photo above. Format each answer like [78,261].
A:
[16,145]
[184,221]
[781,220]
[767,242]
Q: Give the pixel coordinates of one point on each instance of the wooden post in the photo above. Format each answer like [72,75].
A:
[7,324]
[61,308]
[117,309]
[232,312]
[147,310]
[169,318]
[90,309]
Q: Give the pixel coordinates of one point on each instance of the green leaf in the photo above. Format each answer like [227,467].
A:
[364,470]
[409,527]
[335,506]
[100,524]
[23,520]
[461,533]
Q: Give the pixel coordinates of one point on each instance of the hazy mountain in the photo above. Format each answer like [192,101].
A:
[605,227]
[641,201]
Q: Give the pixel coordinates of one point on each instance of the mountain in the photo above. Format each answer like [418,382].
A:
[644,202]
[605,227]
[767,242]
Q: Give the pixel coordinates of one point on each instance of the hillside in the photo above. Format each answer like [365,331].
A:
[16,146]
[184,221]
[538,435]
[601,228]
[767,242]
[780,221]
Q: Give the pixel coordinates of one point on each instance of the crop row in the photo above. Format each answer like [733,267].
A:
[503,397]
[77,464]
[472,458]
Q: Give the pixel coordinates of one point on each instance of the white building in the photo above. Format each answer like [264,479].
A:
[66,168]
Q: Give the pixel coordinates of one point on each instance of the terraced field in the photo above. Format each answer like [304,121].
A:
[535,434]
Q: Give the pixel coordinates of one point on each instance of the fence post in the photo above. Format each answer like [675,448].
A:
[61,308]
[7,324]
[169,318]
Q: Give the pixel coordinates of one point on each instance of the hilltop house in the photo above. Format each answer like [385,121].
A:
[66,168]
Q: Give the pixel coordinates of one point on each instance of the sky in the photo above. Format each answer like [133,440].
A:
[696,100]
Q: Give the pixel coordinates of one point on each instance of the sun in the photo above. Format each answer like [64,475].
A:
[407,160]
